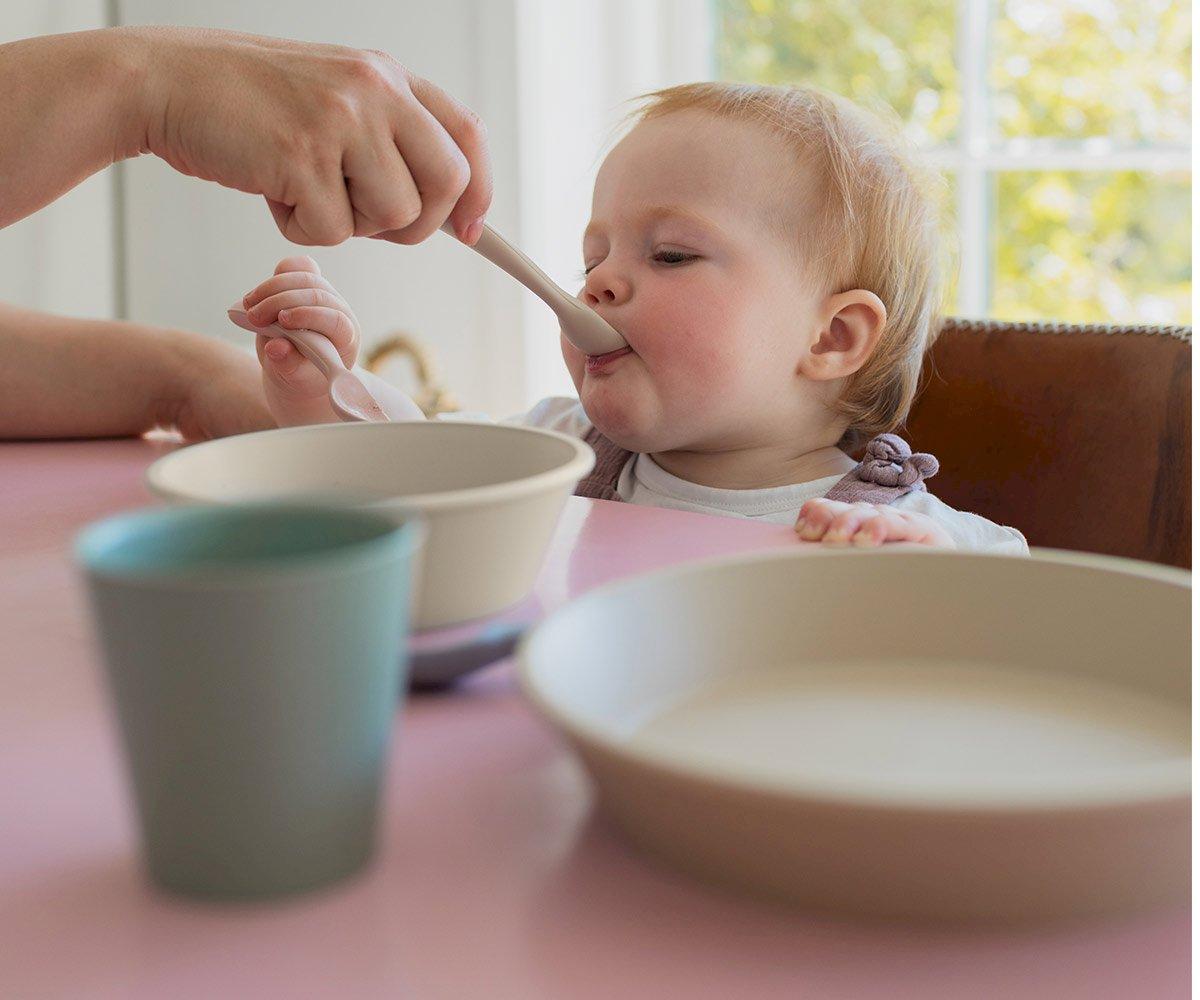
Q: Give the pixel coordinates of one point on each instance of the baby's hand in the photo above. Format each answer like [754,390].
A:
[299,298]
[866,524]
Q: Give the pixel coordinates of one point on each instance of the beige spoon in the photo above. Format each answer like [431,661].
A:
[350,399]
[582,326]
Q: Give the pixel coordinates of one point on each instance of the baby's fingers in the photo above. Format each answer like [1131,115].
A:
[816,516]
[285,282]
[328,321]
[900,526]
[886,526]
[285,368]
[312,309]
[300,262]
[278,354]
[847,523]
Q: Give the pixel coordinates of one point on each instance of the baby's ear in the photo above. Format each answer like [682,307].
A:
[852,323]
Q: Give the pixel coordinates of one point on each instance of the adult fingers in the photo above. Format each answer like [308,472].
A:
[470,135]
[438,168]
[320,214]
[383,194]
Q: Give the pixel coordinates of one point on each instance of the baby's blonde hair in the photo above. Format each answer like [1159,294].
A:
[877,224]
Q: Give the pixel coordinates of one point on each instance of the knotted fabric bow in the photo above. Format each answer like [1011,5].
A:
[889,470]
[889,461]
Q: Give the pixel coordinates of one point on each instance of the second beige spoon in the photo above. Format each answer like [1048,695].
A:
[349,398]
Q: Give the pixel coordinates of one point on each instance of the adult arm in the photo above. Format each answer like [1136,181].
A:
[62,377]
[339,141]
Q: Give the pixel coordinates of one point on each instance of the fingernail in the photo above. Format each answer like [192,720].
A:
[473,231]
[276,348]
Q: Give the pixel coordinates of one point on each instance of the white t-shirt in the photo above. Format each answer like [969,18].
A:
[644,482]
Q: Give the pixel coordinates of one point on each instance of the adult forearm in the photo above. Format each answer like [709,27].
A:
[62,377]
[72,104]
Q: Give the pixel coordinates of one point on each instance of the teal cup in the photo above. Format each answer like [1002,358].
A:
[256,656]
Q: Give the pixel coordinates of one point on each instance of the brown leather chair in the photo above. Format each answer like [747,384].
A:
[1079,436]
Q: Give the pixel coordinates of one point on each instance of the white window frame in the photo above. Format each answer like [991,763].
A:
[975,158]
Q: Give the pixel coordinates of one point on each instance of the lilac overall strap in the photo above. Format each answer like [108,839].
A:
[601,482]
[889,470]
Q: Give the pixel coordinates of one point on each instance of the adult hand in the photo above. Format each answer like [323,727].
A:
[339,141]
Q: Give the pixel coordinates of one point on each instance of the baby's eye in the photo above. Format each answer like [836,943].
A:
[675,257]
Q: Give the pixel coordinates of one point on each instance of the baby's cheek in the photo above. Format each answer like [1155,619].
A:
[701,354]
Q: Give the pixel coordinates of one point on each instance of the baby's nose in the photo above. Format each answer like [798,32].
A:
[605,287]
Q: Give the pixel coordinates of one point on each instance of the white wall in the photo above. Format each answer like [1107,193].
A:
[60,259]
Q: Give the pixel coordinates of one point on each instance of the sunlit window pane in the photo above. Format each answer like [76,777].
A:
[1117,70]
[899,53]
[1091,247]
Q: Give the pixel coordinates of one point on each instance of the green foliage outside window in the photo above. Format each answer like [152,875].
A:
[1114,69]
[1090,76]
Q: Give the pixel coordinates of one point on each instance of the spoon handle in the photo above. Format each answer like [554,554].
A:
[318,349]
[582,326]
[508,258]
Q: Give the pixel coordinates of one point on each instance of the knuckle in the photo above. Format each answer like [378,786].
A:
[471,126]
[332,235]
[403,212]
[453,176]
[368,68]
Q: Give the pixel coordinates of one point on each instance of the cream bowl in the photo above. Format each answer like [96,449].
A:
[490,494]
[929,736]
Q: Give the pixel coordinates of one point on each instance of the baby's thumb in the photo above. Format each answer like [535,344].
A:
[284,365]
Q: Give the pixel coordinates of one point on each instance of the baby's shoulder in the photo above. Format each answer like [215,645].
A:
[969,531]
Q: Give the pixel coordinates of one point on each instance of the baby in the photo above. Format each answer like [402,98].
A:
[771,257]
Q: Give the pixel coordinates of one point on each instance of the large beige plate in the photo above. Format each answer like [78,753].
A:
[491,495]
[918,735]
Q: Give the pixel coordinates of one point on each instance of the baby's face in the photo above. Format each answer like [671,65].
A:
[692,255]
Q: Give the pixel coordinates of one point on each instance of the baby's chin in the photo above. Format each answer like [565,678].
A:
[633,424]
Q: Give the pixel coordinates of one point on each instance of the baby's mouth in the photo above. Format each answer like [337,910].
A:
[598,362]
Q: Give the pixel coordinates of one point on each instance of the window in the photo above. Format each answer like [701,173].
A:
[1063,127]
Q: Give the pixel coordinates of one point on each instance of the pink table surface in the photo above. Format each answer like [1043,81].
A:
[495,876]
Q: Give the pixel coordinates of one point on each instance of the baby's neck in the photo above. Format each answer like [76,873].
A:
[756,468]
